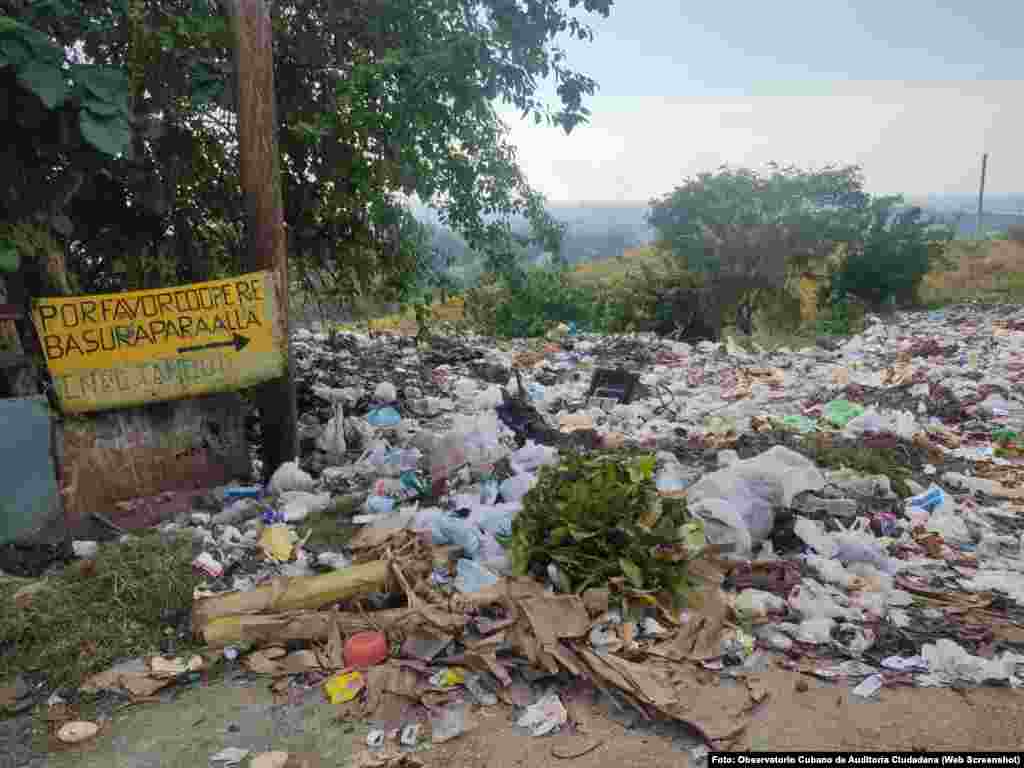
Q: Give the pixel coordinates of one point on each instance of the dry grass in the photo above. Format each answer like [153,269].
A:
[987,269]
[91,616]
[595,273]
[404,323]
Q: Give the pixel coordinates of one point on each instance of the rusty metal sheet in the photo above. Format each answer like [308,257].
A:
[116,350]
[29,498]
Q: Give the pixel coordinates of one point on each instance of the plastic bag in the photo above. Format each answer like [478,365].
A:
[290,477]
[472,577]
[496,519]
[489,398]
[868,422]
[948,662]
[813,600]
[450,530]
[929,500]
[831,571]
[799,424]
[737,503]
[514,488]
[298,505]
[385,392]
[670,479]
[531,457]
[842,412]
[815,631]
[489,490]
[332,440]
[546,716]
[384,418]
[756,604]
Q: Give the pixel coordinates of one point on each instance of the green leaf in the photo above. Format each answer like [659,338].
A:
[109,84]
[104,109]
[110,135]
[10,259]
[632,572]
[14,51]
[44,80]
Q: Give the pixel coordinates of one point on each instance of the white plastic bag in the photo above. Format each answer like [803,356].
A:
[813,600]
[514,488]
[332,440]
[756,604]
[813,535]
[737,502]
[290,477]
[298,505]
[531,457]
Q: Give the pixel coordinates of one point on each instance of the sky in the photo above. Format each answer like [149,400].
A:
[912,91]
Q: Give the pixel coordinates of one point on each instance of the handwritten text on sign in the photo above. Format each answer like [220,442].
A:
[122,349]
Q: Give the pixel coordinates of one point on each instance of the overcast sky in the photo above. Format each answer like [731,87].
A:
[913,91]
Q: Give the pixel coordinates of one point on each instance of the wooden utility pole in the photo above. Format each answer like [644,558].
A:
[267,246]
[981,191]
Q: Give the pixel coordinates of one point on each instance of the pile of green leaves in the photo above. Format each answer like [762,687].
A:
[599,517]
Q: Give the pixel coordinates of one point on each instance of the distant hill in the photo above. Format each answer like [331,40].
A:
[597,231]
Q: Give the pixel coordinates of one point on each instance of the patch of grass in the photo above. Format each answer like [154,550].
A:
[869,461]
[88,618]
[332,528]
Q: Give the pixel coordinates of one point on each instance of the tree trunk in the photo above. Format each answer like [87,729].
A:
[261,185]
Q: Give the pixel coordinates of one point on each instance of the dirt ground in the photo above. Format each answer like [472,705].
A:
[204,720]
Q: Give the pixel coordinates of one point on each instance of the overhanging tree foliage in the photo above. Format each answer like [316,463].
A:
[378,100]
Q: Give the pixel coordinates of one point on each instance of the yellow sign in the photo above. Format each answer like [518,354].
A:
[122,349]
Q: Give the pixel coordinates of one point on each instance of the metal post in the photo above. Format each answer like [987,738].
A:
[260,176]
[981,191]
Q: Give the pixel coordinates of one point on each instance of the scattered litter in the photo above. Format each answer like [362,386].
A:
[230,756]
[410,735]
[449,723]
[344,687]
[77,731]
[546,716]
[366,649]
[869,686]
[85,549]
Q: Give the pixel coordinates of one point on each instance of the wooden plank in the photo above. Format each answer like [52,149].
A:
[125,349]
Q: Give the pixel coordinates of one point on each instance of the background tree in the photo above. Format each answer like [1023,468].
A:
[746,232]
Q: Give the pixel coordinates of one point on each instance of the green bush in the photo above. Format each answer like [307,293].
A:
[891,259]
[527,304]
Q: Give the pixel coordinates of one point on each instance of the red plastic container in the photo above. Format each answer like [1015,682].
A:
[366,649]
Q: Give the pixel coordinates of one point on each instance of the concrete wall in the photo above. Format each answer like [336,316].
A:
[115,456]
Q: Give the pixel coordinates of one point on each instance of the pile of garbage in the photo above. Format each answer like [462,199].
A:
[635,512]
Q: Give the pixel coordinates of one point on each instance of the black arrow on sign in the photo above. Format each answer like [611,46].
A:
[237,341]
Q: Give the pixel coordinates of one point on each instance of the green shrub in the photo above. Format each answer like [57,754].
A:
[527,304]
[891,260]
